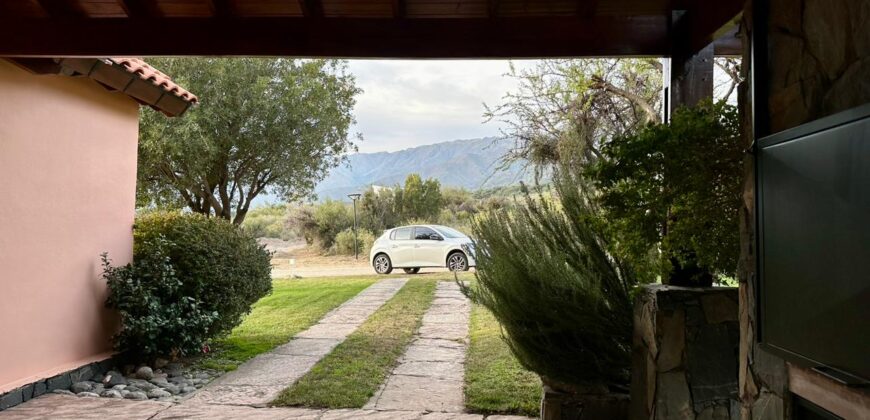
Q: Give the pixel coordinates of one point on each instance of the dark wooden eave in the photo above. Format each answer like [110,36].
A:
[362,28]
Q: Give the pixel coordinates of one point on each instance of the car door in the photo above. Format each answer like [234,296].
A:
[427,249]
[402,247]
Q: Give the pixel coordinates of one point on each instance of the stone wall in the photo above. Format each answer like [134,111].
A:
[819,65]
[819,59]
[684,353]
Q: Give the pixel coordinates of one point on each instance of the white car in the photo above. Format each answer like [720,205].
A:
[413,247]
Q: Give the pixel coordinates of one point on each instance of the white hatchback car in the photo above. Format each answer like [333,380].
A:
[413,247]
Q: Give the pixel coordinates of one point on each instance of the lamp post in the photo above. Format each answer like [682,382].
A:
[355,197]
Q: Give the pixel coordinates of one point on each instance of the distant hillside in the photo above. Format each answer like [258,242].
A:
[471,164]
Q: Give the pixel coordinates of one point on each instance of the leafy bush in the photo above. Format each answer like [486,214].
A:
[268,222]
[676,187]
[157,320]
[344,242]
[186,269]
[331,217]
[544,272]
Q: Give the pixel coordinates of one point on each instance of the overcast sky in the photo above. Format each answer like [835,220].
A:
[409,103]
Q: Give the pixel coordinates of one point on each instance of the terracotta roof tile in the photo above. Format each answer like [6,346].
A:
[146,72]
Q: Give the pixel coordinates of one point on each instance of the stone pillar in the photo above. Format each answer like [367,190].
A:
[684,353]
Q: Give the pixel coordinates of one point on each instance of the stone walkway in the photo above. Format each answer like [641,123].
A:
[259,381]
[427,384]
[430,375]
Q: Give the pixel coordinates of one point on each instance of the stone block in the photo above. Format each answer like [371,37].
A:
[768,407]
[83,373]
[827,32]
[61,381]
[26,392]
[39,388]
[719,307]
[673,400]
[712,363]
[10,399]
[672,330]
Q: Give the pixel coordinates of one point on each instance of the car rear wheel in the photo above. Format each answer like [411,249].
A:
[414,270]
[457,262]
[382,264]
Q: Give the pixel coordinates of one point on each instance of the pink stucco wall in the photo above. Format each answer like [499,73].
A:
[67,194]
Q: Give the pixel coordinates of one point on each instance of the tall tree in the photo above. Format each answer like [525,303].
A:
[420,199]
[563,110]
[273,125]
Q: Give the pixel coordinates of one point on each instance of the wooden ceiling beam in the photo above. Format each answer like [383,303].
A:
[222,8]
[140,8]
[311,8]
[338,37]
[587,8]
[492,8]
[400,9]
[61,8]
[699,27]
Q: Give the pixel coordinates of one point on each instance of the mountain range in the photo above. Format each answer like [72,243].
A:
[471,164]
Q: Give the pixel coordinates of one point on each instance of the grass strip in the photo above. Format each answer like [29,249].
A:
[293,306]
[350,375]
[495,382]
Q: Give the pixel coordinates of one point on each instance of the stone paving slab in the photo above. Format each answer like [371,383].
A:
[339,331]
[429,376]
[307,346]
[252,395]
[259,381]
[221,412]
[269,369]
[427,393]
[442,370]
[64,407]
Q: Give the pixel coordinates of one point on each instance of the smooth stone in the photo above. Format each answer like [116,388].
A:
[187,389]
[113,378]
[63,392]
[88,394]
[84,386]
[138,395]
[119,387]
[111,393]
[158,393]
[172,389]
[144,372]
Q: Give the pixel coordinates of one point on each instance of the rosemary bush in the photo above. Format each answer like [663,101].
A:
[563,301]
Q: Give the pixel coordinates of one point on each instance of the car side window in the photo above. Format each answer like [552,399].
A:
[402,233]
[423,233]
[393,234]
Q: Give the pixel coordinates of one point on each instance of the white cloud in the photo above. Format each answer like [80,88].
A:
[408,103]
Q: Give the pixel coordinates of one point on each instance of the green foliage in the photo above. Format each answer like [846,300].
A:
[158,317]
[420,199]
[261,124]
[378,210]
[544,272]
[268,222]
[676,186]
[344,242]
[219,267]
[331,217]
[562,110]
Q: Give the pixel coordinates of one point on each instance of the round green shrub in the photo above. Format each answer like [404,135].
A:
[192,279]
[344,242]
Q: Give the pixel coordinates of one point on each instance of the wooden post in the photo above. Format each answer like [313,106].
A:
[688,77]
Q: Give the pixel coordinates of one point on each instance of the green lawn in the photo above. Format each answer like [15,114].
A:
[495,382]
[293,306]
[350,375]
